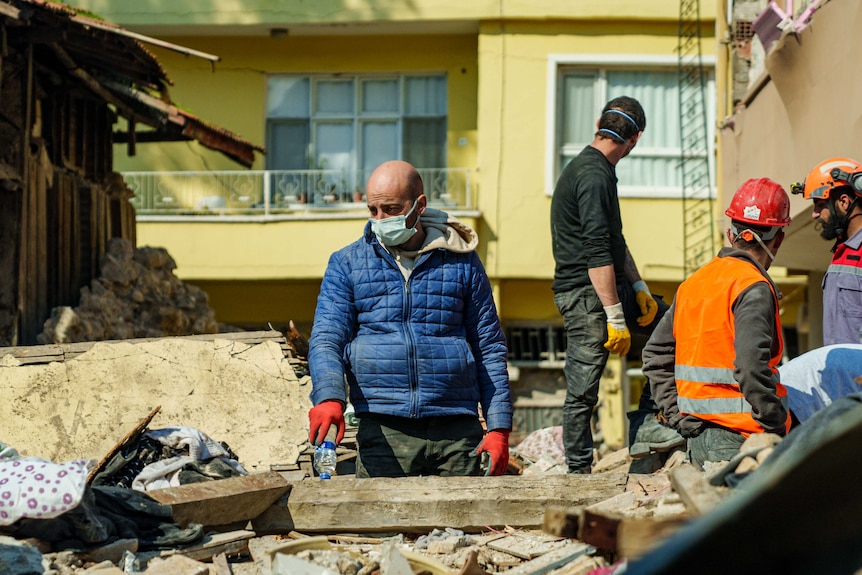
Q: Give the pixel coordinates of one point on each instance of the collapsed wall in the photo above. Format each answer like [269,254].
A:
[242,388]
[137,295]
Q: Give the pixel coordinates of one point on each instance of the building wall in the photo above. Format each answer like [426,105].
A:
[234,93]
[498,77]
[792,118]
[238,14]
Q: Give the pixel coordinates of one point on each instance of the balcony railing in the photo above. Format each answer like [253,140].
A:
[273,193]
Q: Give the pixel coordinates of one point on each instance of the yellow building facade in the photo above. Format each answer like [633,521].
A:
[524,81]
[501,62]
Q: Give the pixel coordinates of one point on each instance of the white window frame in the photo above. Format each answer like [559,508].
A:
[556,61]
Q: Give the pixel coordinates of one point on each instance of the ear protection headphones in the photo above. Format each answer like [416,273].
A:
[854,179]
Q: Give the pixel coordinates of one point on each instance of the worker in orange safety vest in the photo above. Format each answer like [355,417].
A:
[712,361]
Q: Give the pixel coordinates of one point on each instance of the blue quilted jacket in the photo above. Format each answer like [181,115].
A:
[430,346]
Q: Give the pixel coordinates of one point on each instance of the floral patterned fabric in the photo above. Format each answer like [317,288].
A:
[38,489]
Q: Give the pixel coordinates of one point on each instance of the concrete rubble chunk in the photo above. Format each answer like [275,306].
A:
[176,565]
[19,559]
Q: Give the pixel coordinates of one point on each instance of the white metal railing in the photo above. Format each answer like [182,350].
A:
[274,192]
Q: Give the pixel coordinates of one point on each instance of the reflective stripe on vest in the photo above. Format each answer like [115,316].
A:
[846,260]
[704,330]
[715,375]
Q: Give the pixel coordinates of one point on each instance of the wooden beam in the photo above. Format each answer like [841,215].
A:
[212,545]
[223,501]
[91,83]
[131,137]
[47,353]
[419,504]
[638,536]
[129,438]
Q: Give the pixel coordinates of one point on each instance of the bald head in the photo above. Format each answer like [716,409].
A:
[393,179]
[395,189]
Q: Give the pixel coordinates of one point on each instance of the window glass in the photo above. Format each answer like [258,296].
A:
[334,97]
[380,96]
[287,145]
[287,97]
[578,121]
[354,123]
[653,165]
[379,144]
[425,96]
[424,142]
[334,143]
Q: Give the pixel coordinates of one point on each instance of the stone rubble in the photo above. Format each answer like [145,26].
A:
[136,296]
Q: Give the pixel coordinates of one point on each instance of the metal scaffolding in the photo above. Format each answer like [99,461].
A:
[698,237]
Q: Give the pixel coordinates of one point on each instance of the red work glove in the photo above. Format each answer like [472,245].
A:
[496,443]
[323,416]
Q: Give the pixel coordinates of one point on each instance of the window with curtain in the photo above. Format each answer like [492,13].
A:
[652,168]
[353,123]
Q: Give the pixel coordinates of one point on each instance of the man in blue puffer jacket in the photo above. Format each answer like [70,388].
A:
[406,318]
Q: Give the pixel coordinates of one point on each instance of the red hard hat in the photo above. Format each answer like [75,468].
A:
[760,202]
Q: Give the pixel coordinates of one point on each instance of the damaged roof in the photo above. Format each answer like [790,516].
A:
[114,64]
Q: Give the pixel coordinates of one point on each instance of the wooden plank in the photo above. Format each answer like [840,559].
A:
[561,521]
[40,184]
[419,504]
[598,529]
[213,544]
[525,545]
[553,560]
[25,351]
[66,351]
[694,489]
[636,536]
[223,501]
[596,524]
[130,437]
[222,567]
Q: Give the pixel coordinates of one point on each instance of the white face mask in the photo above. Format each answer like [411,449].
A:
[394,231]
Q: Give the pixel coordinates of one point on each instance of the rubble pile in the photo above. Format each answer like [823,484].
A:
[136,296]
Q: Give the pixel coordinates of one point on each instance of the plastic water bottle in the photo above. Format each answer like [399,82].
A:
[324,459]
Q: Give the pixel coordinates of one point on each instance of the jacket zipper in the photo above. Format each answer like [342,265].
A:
[412,367]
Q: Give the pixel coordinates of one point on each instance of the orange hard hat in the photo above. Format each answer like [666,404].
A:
[760,202]
[827,175]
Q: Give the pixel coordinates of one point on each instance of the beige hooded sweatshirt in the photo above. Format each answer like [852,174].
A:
[441,231]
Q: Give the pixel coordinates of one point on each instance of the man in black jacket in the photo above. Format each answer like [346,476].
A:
[597,287]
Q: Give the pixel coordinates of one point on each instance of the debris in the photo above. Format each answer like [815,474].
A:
[418,504]
[176,565]
[129,439]
[527,546]
[238,387]
[224,501]
[695,490]
[137,295]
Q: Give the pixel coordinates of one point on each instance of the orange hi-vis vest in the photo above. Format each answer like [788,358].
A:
[704,330]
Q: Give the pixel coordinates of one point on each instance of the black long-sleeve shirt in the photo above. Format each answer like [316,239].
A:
[586,227]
